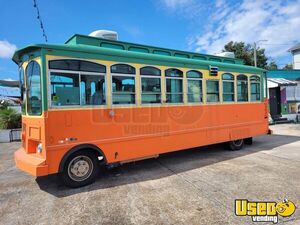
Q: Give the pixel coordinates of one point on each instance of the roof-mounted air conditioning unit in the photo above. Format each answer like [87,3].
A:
[226,54]
[107,34]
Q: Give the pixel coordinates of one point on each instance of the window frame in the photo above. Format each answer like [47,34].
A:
[79,74]
[219,92]
[151,76]
[255,82]
[123,75]
[196,79]
[23,90]
[177,78]
[229,81]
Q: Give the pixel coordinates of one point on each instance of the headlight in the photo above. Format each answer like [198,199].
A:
[39,148]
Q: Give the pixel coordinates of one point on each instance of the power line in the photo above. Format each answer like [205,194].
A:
[278,44]
[35,5]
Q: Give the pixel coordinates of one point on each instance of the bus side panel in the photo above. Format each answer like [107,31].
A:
[130,133]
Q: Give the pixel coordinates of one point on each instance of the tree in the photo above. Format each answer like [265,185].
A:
[288,67]
[246,52]
[272,66]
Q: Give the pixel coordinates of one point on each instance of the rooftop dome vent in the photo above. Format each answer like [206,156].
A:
[226,54]
[107,34]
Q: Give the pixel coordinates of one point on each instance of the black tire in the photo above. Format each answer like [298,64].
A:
[248,141]
[80,169]
[235,145]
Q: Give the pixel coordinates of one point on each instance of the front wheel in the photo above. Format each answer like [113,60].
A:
[80,169]
[235,145]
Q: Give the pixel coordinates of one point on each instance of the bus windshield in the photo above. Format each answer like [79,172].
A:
[33,85]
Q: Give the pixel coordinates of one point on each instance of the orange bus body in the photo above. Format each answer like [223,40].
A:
[125,134]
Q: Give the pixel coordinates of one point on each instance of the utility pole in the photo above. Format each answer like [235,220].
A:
[254,51]
[254,54]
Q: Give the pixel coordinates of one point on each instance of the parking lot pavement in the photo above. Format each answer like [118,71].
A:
[196,186]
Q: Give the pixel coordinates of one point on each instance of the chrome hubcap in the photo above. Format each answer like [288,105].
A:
[80,168]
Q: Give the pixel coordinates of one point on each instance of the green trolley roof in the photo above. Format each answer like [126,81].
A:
[100,48]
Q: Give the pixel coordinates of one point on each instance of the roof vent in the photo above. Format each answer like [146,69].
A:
[213,71]
[107,34]
[226,54]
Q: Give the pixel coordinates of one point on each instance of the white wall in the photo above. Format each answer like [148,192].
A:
[293,93]
[296,60]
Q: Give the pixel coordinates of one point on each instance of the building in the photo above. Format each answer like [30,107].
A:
[284,94]
[10,92]
[295,50]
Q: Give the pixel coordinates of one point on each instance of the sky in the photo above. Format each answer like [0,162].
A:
[195,25]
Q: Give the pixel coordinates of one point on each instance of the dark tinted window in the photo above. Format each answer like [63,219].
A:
[122,68]
[76,65]
[255,88]
[33,84]
[227,76]
[149,70]
[193,74]
[242,88]
[212,90]
[228,87]
[174,73]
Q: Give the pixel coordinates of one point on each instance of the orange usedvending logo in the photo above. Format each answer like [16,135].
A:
[264,211]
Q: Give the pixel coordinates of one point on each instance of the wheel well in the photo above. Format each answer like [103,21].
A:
[87,148]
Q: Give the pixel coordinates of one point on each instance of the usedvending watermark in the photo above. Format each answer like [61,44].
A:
[264,211]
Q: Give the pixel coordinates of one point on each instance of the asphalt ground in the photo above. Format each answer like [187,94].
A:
[195,186]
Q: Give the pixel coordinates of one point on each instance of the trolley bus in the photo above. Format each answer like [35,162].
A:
[92,102]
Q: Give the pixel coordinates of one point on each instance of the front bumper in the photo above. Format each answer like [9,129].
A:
[31,163]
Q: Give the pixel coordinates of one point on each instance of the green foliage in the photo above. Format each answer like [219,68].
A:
[272,66]
[246,52]
[9,119]
[288,67]
[3,104]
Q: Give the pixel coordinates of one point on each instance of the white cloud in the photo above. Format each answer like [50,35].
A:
[253,20]
[6,49]
[176,3]
[185,8]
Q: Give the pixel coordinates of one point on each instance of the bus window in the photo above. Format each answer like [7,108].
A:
[150,85]
[242,88]
[33,82]
[255,88]
[212,91]
[194,84]
[76,65]
[92,89]
[64,89]
[122,68]
[123,84]
[228,87]
[174,85]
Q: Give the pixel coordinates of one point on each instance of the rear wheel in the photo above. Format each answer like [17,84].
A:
[80,169]
[235,145]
